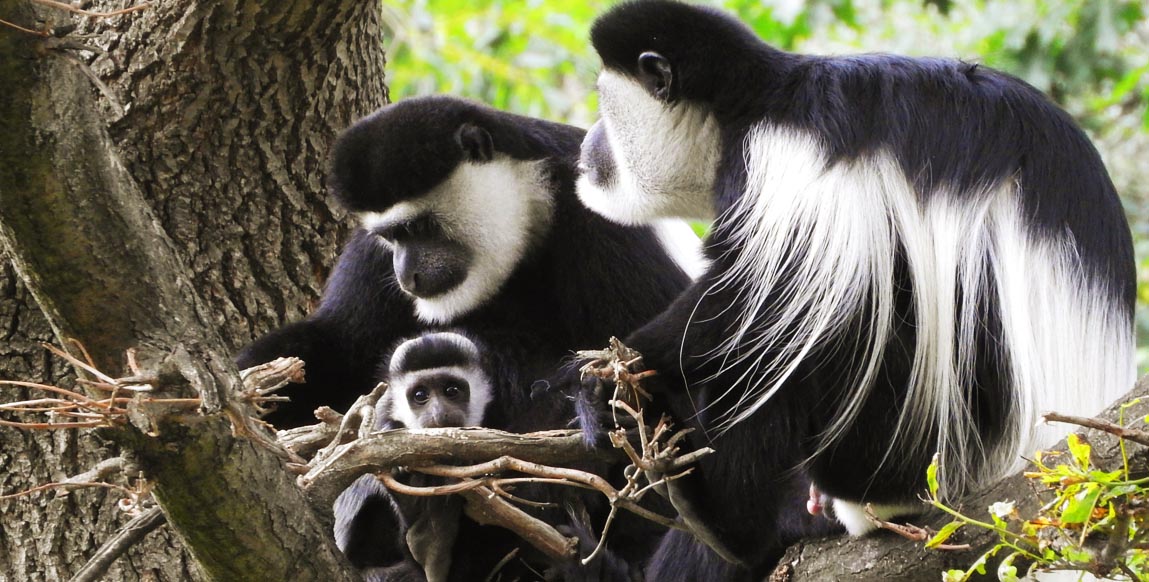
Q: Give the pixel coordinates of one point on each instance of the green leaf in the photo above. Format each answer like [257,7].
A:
[1079,507]
[1106,476]
[953,576]
[1120,491]
[999,522]
[1077,555]
[1006,571]
[844,11]
[932,476]
[944,534]
[979,565]
[1079,449]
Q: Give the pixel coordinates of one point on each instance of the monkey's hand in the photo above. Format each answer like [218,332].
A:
[620,365]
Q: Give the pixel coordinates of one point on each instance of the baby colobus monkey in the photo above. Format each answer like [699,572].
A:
[436,380]
[440,380]
[908,256]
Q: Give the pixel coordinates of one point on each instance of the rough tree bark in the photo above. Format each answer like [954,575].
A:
[49,537]
[222,113]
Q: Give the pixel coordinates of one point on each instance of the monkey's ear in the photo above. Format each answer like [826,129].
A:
[656,76]
[476,143]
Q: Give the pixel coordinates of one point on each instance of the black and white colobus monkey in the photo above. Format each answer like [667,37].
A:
[908,256]
[447,379]
[436,380]
[469,218]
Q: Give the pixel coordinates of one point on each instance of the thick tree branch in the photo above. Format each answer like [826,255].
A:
[384,450]
[85,242]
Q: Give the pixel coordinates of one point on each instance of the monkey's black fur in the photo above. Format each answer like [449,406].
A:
[954,129]
[586,279]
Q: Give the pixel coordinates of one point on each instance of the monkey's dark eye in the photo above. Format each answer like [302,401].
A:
[451,391]
[390,233]
[418,227]
[420,396]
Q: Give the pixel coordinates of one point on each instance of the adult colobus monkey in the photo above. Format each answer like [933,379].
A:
[469,218]
[908,256]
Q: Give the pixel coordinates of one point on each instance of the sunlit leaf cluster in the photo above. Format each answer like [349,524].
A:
[1091,520]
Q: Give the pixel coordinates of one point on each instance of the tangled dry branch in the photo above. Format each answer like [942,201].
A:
[331,454]
[498,461]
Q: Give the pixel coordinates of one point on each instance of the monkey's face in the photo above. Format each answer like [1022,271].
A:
[455,245]
[436,380]
[438,401]
[650,155]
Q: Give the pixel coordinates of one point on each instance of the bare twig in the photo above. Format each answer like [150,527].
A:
[51,425]
[70,394]
[502,564]
[39,33]
[397,486]
[116,410]
[98,413]
[105,470]
[1131,434]
[910,531]
[657,460]
[134,531]
[352,422]
[499,487]
[485,507]
[89,14]
[131,354]
[306,440]
[261,382]
[87,367]
[67,487]
[98,477]
[244,425]
[499,460]
[383,450]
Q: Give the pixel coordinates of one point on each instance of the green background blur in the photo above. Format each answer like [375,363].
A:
[534,58]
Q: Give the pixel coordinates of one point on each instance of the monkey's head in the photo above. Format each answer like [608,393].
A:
[655,150]
[458,192]
[436,380]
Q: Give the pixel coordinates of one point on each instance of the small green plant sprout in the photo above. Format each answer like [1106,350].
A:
[1091,520]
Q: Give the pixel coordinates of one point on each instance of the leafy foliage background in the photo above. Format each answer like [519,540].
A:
[534,58]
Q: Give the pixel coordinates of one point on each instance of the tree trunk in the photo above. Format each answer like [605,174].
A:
[222,113]
[46,536]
